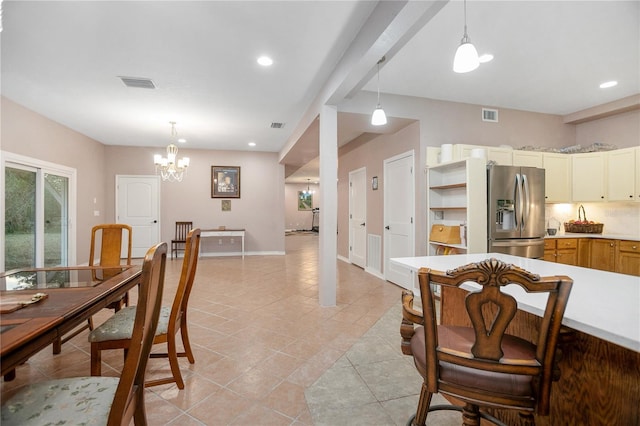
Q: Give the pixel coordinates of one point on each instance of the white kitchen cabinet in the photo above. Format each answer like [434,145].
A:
[588,177]
[557,186]
[637,194]
[527,159]
[457,195]
[501,156]
[622,172]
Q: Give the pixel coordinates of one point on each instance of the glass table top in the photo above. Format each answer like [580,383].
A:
[56,278]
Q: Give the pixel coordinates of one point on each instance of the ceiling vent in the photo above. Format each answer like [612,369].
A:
[490,115]
[277,125]
[141,83]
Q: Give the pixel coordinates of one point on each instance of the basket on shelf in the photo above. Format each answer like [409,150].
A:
[582,225]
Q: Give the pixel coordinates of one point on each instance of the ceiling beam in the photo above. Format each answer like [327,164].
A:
[389,27]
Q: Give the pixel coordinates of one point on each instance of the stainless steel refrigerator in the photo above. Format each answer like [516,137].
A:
[515,199]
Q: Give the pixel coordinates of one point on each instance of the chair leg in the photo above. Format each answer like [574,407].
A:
[470,415]
[185,339]
[173,361]
[96,360]
[423,406]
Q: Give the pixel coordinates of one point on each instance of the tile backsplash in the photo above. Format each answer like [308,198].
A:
[618,218]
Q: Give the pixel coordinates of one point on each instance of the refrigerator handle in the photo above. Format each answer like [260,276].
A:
[526,200]
[516,202]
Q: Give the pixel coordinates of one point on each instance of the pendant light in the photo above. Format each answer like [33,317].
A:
[379,118]
[466,58]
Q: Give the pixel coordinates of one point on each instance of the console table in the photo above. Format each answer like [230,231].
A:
[211,233]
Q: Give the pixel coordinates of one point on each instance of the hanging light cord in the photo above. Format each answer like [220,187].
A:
[378,84]
[465,36]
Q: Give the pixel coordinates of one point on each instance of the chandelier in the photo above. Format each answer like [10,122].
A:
[167,167]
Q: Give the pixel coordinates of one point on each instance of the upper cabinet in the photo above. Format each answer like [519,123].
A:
[622,174]
[557,180]
[527,159]
[588,177]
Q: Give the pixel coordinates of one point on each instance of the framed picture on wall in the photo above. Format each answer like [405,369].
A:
[225,182]
[305,200]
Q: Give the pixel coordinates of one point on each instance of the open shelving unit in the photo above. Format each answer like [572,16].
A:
[457,196]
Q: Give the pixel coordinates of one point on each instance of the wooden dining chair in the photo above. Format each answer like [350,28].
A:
[482,365]
[99,400]
[109,237]
[180,239]
[115,333]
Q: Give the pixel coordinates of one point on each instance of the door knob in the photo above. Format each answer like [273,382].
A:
[386,227]
[362,224]
[155,221]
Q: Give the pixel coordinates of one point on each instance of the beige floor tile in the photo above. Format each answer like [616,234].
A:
[259,337]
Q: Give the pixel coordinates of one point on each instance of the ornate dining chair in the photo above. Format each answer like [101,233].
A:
[110,237]
[482,365]
[180,239]
[99,400]
[115,333]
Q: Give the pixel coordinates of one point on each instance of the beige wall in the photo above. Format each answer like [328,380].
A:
[27,133]
[622,130]
[260,210]
[294,218]
[371,155]
[439,122]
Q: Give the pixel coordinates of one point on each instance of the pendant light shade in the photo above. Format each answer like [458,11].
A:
[379,118]
[466,58]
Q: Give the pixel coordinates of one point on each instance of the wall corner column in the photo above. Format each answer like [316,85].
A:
[328,205]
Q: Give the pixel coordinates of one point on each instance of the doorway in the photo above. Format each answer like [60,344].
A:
[358,217]
[399,208]
[38,214]
[138,205]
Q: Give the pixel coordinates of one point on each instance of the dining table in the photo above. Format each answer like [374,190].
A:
[40,305]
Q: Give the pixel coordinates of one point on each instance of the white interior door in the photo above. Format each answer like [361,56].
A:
[358,217]
[399,194]
[138,205]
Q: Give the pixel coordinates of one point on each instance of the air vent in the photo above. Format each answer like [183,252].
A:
[490,115]
[277,125]
[141,83]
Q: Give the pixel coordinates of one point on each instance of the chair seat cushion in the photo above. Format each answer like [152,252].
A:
[72,401]
[120,325]
[461,339]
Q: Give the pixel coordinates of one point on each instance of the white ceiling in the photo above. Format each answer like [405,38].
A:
[63,59]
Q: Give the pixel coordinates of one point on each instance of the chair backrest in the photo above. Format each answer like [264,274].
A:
[189,264]
[490,312]
[182,229]
[129,397]
[111,235]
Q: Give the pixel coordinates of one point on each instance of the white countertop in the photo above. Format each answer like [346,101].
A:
[602,304]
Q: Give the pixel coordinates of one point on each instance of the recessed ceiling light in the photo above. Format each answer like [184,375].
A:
[252,144]
[265,61]
[182,140]
[608,84]
[485,58]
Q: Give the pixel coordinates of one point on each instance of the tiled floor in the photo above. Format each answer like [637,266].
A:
[267,353]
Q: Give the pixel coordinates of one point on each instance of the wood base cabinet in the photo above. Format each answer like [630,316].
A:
[603,254]
[561,250]
[628,257]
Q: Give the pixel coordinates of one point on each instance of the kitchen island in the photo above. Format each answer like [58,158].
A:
[600,354]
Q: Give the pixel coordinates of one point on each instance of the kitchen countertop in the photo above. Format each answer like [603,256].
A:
[602,304]
[604,236]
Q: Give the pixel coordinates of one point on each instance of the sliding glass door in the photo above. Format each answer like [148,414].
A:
[37,219]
